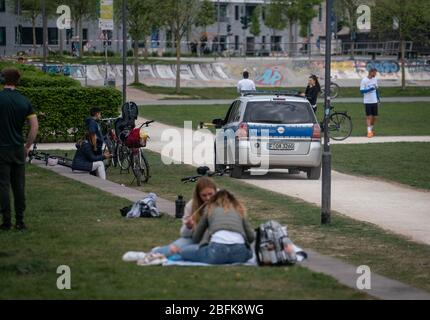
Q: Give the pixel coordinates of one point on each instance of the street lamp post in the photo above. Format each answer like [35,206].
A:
[45,36]
[326,158]
[124,51]
[218,29]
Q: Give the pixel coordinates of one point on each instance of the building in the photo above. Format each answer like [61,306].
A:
[16,34]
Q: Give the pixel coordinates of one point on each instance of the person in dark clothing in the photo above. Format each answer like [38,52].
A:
[86,158]
[93,128]
[15,111]
[312,91]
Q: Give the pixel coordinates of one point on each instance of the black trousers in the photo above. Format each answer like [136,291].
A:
[12,174]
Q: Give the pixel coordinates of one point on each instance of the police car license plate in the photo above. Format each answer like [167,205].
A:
[281,145]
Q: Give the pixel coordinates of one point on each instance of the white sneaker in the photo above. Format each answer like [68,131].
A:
[132,256]
[152,259]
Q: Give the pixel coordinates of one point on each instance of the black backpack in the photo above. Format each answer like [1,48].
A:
[127,122]
[272,245]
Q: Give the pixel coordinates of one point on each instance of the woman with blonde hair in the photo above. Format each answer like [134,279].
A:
[223,233]
[204,190]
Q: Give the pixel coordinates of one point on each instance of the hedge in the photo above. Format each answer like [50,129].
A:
[67,108]
[32,77]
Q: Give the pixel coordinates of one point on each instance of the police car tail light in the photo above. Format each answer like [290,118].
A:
[316,134]
[242,132]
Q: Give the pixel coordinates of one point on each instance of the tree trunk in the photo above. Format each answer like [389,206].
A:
[290,39]
[402,62]
[178,64]
[136,60]
[81,39]
[33,24]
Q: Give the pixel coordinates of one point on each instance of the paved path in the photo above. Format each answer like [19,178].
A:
[397,208]
[382,287]
[394,207]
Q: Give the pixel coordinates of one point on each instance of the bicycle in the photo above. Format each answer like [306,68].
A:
[339,126]
[133,157]
[205,172]
[334,90]
[110,140]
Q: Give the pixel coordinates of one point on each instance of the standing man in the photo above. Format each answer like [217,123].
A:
[245,84]
[15,110]
[369,89]
[92,124]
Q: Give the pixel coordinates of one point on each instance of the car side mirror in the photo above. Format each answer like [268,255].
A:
[218,123]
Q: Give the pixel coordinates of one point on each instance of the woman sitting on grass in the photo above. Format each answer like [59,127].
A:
[86,159]
[223,233]
[204,190]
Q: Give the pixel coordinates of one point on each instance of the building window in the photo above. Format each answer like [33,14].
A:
[236,13]
[222,12]
[320,14]
[263,45]
[24,35]
[236,42]
[2,5]
[2,36]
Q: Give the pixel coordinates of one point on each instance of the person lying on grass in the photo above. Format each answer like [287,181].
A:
[223,232]
[203,192]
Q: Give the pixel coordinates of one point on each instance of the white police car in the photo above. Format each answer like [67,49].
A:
[269,130]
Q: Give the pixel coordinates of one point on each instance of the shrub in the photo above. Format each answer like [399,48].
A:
[67,108]
[48,81]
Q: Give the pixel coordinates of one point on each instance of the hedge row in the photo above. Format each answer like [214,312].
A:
[66,109]
[33,77]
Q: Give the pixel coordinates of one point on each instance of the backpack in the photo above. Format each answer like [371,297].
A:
[145,208]
[130,111]
[127,122]
[272,246]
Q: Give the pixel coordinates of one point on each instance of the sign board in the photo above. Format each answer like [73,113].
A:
[106,15]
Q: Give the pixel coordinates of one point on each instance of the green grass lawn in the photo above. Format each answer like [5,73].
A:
[355,242]
[231,92]
[405,163]
[75,225]
[396,119]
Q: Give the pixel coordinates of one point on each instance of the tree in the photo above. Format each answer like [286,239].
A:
[206,17]
[346,11]
[295,11]
[275,19]
[142,18]
[255,22]
[179,15]
[83,10]
[31,11]
[412,19]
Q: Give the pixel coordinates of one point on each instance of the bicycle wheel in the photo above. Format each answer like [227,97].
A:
[136,169]
[144,167]
[123,156]
[334,90]
[109,148]
[340,126]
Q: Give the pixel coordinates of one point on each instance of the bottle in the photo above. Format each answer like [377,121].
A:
[179,207]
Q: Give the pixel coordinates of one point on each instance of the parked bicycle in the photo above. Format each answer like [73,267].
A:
[111,141]
[334,89]
[205,172]
[339,126]
[133,157]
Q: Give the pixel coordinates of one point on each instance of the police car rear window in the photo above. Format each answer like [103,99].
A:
[279,112]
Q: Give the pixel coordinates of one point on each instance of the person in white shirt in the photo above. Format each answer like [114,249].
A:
[245,84]
[369,90]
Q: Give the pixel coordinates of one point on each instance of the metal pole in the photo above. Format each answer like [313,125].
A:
[124,51]
[218,29]
[45,36]
[326,158]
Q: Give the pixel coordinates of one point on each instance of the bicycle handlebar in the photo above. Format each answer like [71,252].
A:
[208,174]
[146,124]
[109,119]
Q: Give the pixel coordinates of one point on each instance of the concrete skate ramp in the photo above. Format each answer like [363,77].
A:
[265,72]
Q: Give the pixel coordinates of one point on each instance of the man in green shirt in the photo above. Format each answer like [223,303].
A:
[15,111]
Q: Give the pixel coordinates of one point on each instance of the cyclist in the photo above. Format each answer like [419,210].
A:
[92,125]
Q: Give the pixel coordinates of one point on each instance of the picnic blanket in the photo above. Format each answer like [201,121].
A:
[136,256]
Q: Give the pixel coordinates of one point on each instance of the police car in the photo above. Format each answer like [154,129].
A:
[269,130]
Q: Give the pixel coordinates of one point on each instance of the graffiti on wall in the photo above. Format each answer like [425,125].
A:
[271,76]
[383,67]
